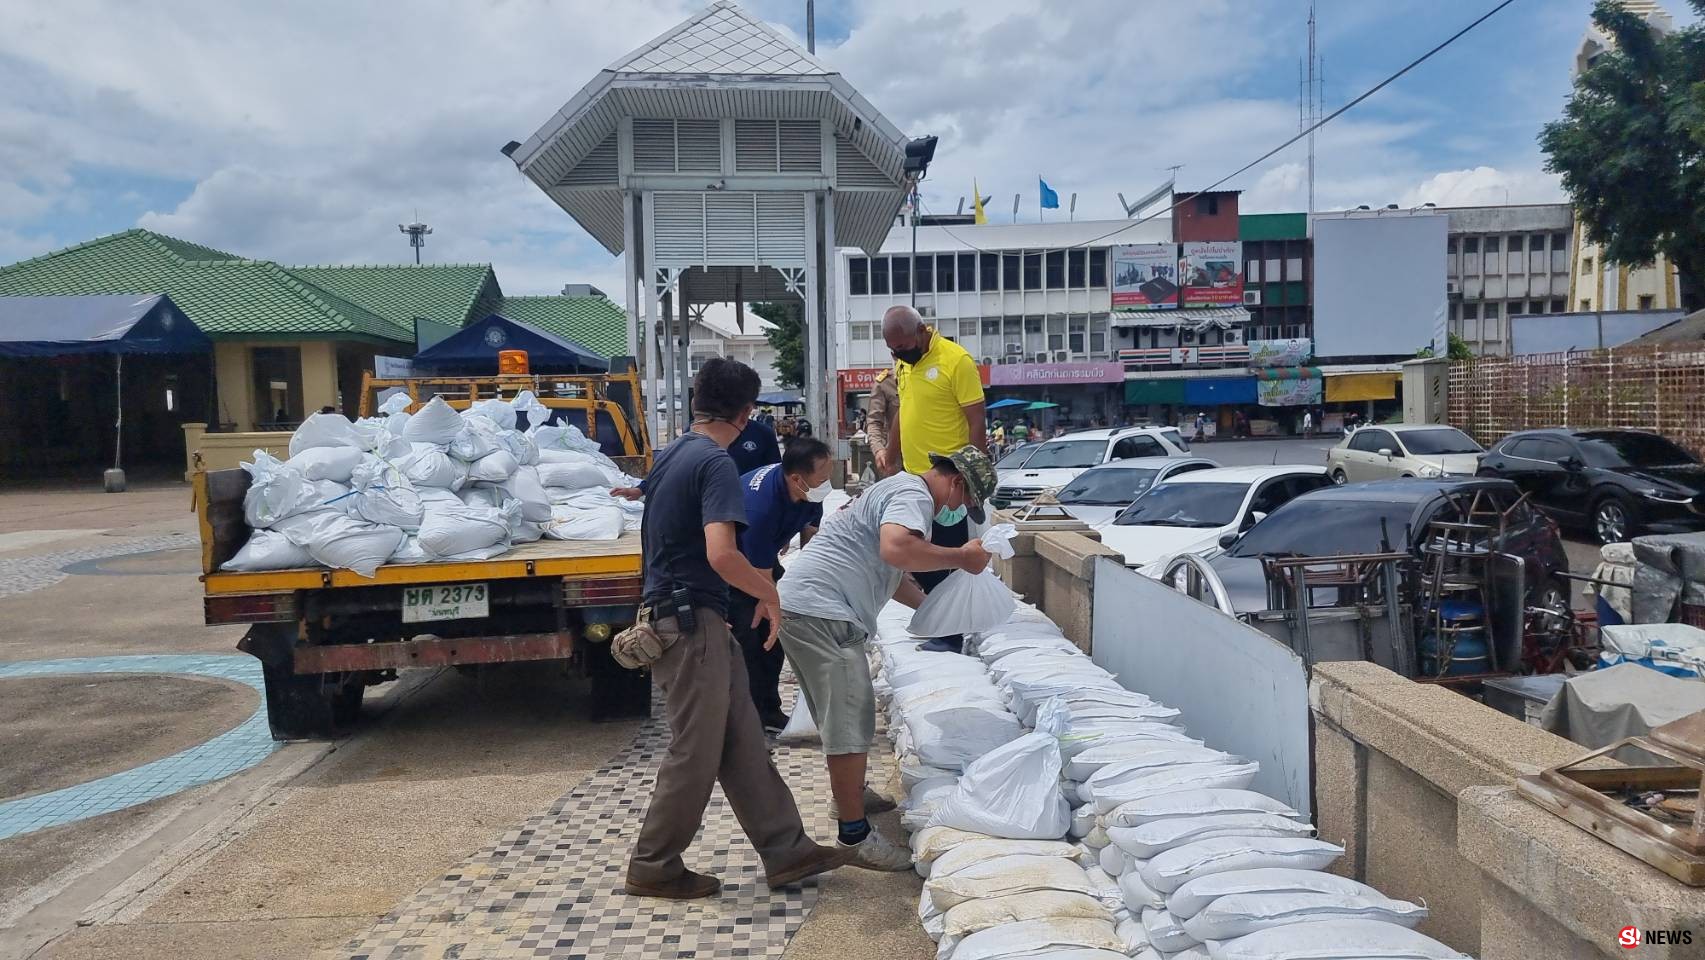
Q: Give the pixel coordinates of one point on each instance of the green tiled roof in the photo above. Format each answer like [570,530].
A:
[442,293]
[224,294]
[593,322]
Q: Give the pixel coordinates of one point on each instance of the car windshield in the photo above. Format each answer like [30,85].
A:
[1620,449]
[1108,487]
[1017,456]
[1442,440]
[1067,453]
[1323,528]
[1176,438]
[1185,505]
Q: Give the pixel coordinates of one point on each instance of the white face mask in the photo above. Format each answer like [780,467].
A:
[819,493]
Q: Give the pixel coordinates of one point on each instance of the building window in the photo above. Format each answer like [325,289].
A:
[1471,311]
[901,268]
[1491,244]
[1471,245]
[1074,269]
[1536,307]
[967,272]
[1208,206]
[1558,306]
[1450,245]
[1098,334]
[1293,269]
[1012,336]
[1252,272]
[879,275]
[921,277]
[1536,243]
[1492,311]
[989,271]
[1559,241]
[1033,271]
[1056,269]
[1098,268]
[1647,301]
[1515,244]
[1270,270]
[1011,263]
[858,275]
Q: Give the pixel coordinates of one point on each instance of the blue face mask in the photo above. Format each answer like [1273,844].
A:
[950,516]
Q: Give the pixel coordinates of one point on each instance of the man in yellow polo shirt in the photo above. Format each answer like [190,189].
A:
[941,410]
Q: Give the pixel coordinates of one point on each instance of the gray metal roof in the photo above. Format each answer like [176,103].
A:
[1197,318]
[721,40]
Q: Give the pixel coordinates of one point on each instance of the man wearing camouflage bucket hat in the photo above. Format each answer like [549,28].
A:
[830,597]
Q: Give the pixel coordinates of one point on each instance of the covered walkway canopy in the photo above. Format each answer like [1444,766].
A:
[473,350]
[96,323]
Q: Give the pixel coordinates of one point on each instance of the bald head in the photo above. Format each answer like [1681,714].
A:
[904,332]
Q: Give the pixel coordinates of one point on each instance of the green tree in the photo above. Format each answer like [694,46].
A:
[1630,146]
[786,339]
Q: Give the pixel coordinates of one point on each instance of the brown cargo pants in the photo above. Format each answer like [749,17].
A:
[714,736]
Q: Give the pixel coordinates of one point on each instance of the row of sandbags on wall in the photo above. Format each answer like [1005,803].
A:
[435,485]
[1055,814]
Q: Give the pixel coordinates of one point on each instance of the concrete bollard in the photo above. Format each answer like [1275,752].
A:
[114,480]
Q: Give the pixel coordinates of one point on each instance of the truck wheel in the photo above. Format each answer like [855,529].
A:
[308,707]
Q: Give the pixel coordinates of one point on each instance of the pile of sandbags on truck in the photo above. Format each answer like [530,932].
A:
[1102,830]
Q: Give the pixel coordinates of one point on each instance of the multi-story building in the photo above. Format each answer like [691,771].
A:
[714,334]
[1505,261]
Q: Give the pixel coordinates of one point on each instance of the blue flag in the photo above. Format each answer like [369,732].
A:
[1050,199]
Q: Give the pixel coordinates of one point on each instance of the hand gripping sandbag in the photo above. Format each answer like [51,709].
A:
[1013,791]
[969,603]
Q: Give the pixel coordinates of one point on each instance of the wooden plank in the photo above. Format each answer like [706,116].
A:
[223,527]
[1687,868]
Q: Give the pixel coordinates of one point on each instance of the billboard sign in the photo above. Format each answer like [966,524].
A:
[1281,353]
[1043,374]
[1289,392]
[1379,285]
[1145,276]
[1212,272]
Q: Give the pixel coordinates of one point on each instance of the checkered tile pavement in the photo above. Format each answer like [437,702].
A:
[552,887]
[24,574]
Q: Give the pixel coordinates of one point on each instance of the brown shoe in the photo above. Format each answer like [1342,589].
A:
[821,860]
[687,886]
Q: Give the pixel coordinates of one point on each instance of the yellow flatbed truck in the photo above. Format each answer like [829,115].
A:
[323,636]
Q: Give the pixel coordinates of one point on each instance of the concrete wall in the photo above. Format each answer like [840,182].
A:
[1055,570]
[225,451]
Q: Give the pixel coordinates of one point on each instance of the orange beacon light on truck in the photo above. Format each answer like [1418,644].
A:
[511,363]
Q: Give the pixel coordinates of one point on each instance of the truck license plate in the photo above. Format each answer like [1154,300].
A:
[454,601]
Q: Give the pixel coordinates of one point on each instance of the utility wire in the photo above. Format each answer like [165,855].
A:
[1423,58]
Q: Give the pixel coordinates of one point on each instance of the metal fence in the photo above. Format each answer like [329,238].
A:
[1659,388]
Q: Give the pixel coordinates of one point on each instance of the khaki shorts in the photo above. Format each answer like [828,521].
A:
[829,658]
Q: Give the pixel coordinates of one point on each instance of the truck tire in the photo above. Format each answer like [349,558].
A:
[310,707]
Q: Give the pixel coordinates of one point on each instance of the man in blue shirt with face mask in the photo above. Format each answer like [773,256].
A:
[782,500]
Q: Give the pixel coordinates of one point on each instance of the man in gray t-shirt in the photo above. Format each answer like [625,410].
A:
[831,595]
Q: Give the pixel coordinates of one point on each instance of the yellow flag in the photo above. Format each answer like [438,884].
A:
[977,204]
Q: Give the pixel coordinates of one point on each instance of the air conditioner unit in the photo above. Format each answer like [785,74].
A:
[1014,349]
[928,313]
[988,361]
[1060,356]
[1042,357]
[1252,298]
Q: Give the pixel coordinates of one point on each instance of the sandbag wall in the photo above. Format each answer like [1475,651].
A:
[1053,813]
[435,485]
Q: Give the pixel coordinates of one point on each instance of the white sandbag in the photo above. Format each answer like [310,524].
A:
[584,523]
[1105,887]
[1031,937]
[396,403]
[1185,776]
[1176,867]
[1240,914]
[267,550]
[969,854]
[493,468]
[1138,896]
[335,539]
[1132,753]
[953,736]
[930,843]
[374,435]
[482,496]
[1007,876]
[435,423]
[520,446]
[323,430]
[801,728]
[1013,791]
[1083,821]
[922,804]
[571,476]
[966,602]
[410,551]
[1189,899]
[974,915]
[382,494]
[1156,837]
[500,412]
[563,437]
[1111,859]
[426,465]
[912,773]
[1096,838]
[525,531]
[1336,940]
[1165,932]
[525,486]
[476,439]
[1103,731]
[327,463]
[275,491]
[528,403]
[449,531]
[1193,803]
[1132,935]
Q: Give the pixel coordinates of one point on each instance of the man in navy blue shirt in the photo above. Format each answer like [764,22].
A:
[755,447]
[782,500]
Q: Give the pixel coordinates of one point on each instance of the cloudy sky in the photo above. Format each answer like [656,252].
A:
[304,132]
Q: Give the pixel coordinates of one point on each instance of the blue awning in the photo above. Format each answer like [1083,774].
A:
[96,323]
[1219,390]
[1003,404]
[473,350]
[781,398]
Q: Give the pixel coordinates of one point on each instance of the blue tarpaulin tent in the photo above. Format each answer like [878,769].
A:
[781,398]
[96,323]
[473,350]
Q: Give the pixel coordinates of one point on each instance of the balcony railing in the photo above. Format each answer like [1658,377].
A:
[1217,355]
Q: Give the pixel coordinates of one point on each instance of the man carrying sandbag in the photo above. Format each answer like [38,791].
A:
[693,512]
[830,598]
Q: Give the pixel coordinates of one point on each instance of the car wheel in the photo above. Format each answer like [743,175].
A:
[1613,520]
[1553,595]
[1339,477]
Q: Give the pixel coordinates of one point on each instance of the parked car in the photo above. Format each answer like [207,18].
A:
[1101,493]
[1617,483]
[1057,462]
[1403,450]
[1014,458]
[1190,513]
[1383,516]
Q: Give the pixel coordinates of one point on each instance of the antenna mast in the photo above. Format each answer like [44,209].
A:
[1313,108]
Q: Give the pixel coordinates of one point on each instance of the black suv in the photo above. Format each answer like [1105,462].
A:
[1617,483]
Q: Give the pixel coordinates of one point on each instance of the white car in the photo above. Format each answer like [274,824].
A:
[1057,462]
[1192,512]
[1101,493]
[1403,450]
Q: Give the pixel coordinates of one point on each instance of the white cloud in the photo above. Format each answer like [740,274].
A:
[1485,185]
